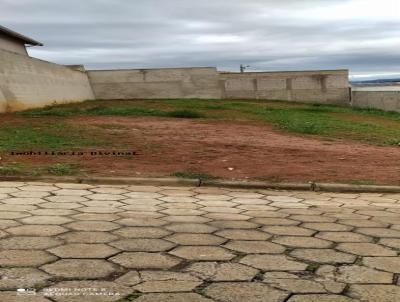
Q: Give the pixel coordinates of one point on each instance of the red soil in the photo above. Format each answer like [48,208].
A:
[253,150]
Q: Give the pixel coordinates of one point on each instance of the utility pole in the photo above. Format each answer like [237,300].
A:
[243,68]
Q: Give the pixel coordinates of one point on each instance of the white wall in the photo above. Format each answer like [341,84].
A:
[11,44]
[26,82]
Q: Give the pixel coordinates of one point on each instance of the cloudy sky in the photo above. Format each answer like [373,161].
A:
[361,35]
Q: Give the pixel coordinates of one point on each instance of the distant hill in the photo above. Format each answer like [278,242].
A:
[378,81]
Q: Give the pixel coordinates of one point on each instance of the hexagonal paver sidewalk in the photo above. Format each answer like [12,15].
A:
[79,242]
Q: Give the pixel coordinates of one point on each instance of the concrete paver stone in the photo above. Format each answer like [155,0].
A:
[114,243]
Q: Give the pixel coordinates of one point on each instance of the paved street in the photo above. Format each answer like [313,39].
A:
[77,242]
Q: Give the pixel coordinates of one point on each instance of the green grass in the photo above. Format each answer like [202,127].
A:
[194,175]
[45,137]
[68,110]
[185,113]
[378,112]
[11,169]
[395,142]
[333,122]
[327,122]
[122,111]
[53,110]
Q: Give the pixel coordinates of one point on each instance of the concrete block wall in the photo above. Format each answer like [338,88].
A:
[156,83]
[324,86]
[27,82]
[378,98]
[306,86]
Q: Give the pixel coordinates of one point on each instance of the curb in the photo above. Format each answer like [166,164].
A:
[311,186]
[256,185]
[356,188]
[107,180]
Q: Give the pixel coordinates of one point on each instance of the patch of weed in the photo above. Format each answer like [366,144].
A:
[239,256]
[312,267]
[112,126]
[10,169]
[61,169]
[194,175]
[273,179]
[357,182]
[185,113]
[123,111]
[258,277]
[201,288]
[53,110]
[130,297]
[394,142]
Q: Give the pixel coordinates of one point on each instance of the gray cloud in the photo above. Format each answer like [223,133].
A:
[267,34]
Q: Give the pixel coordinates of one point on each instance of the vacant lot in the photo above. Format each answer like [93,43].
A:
[275,141]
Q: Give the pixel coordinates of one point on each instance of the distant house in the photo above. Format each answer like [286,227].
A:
[15,42]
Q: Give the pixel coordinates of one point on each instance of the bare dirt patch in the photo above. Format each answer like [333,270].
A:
[253,150]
